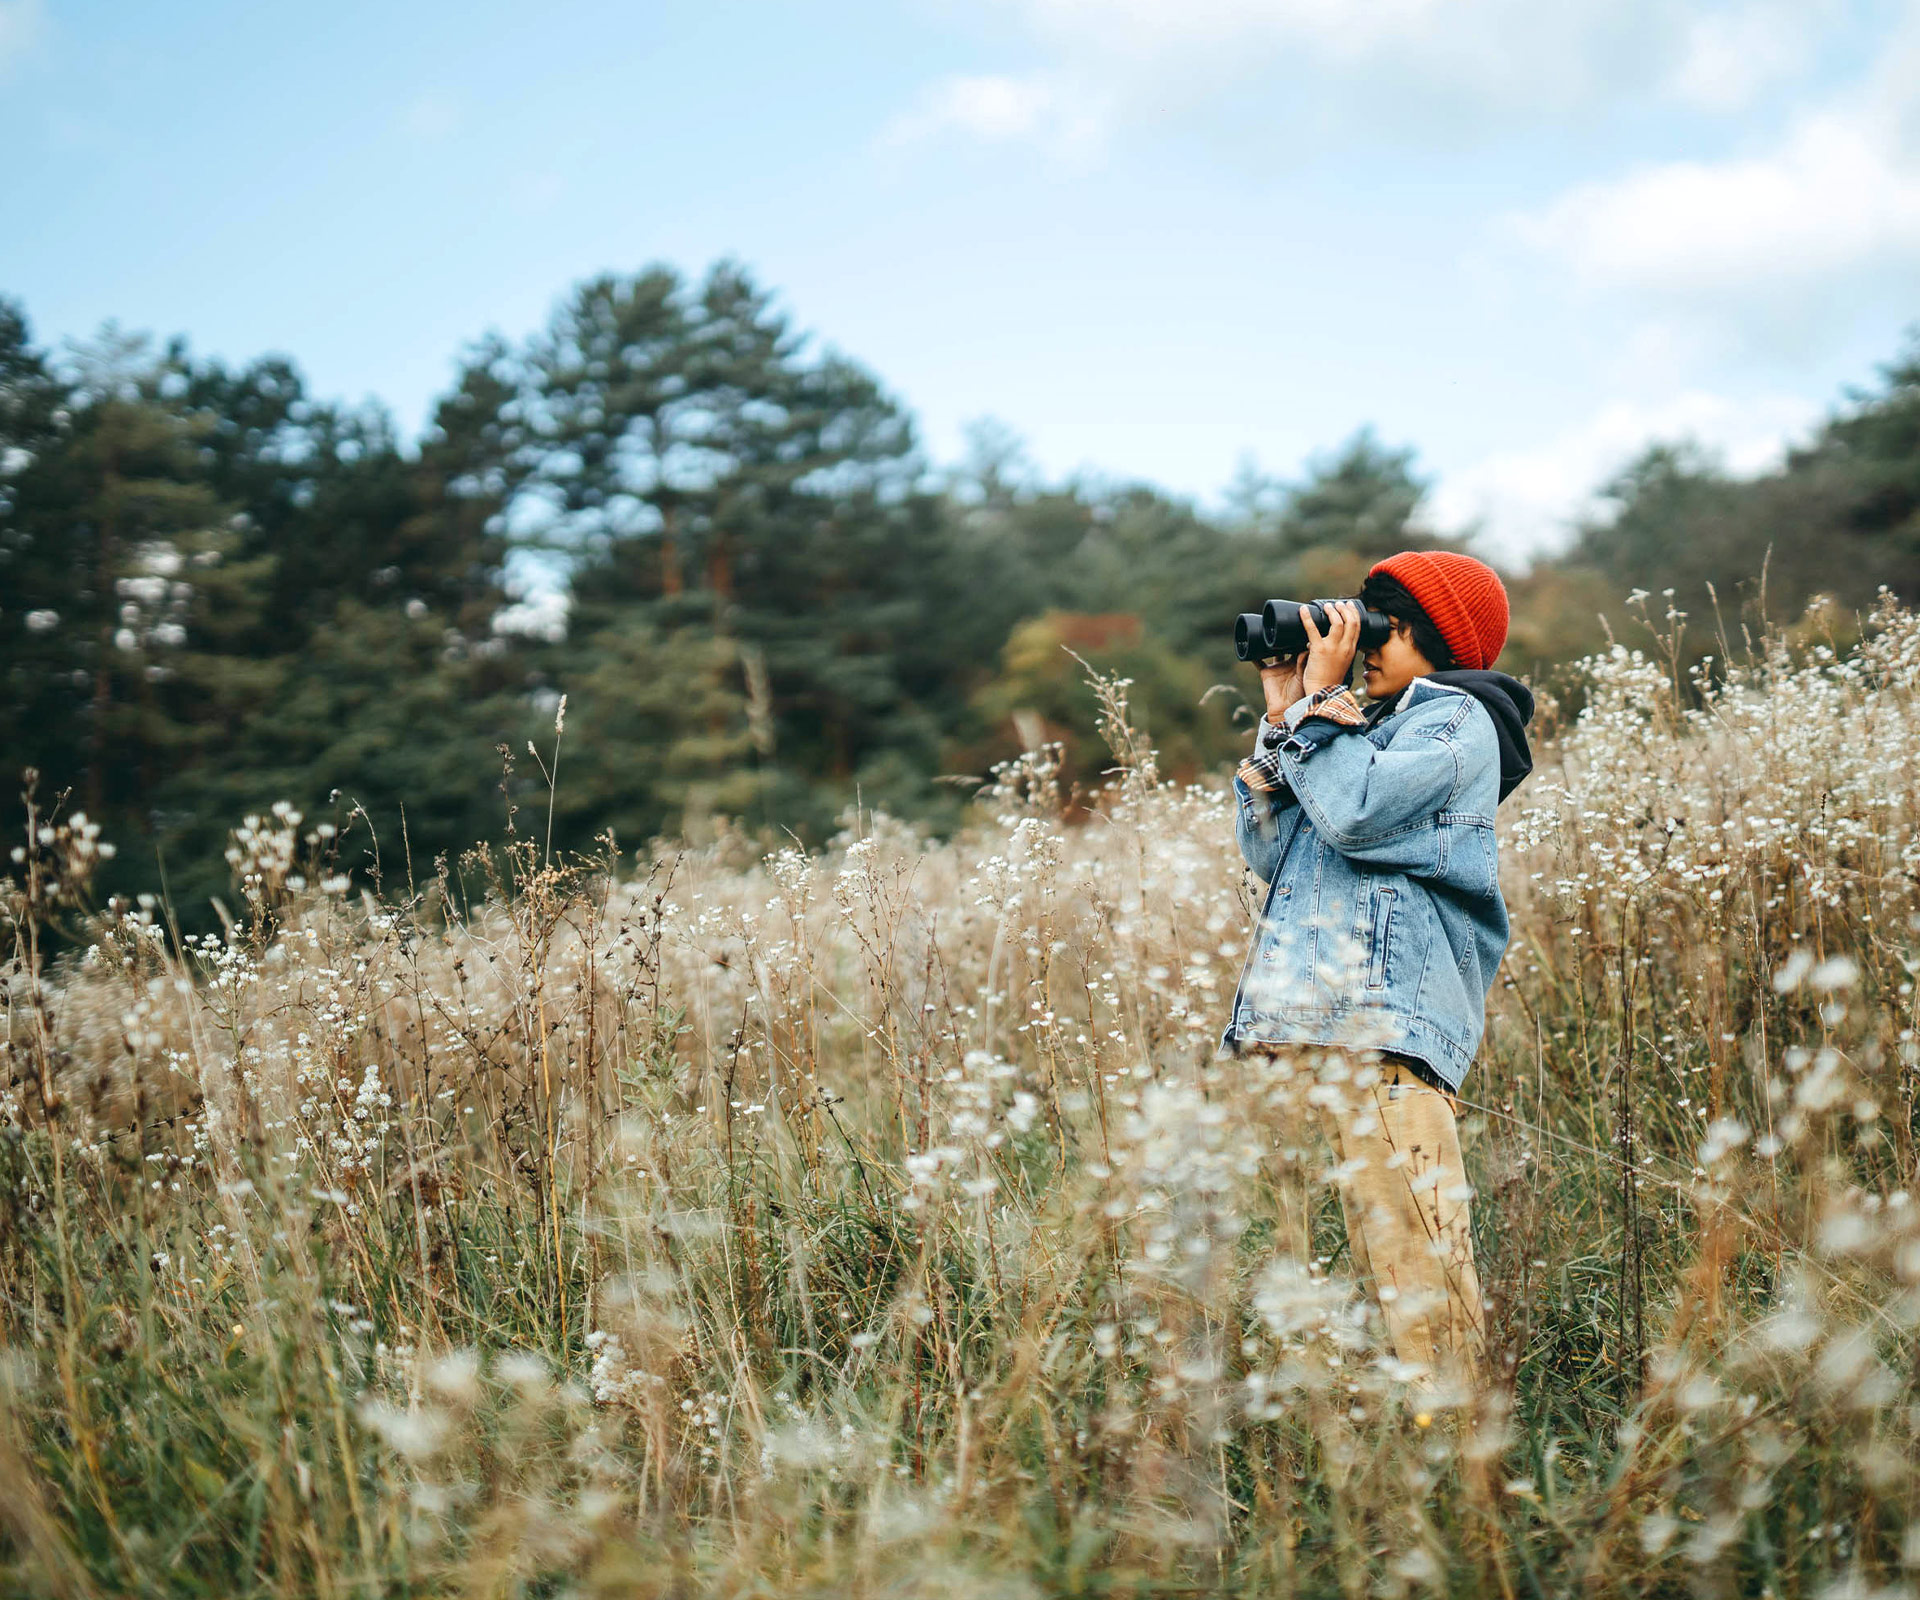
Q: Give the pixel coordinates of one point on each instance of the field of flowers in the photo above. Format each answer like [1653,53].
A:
[883,1220]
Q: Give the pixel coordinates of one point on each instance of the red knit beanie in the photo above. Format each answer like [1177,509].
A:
[1465,599]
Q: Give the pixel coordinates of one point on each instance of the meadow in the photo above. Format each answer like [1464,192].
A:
[741,1220]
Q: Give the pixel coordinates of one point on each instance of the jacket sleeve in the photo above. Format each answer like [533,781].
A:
[1265,812]
[1374,805]
[1262,819]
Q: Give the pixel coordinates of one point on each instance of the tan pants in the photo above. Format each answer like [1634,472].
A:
[1403,1189]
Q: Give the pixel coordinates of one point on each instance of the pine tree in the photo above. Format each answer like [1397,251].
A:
[126,584]
[41,697]
[748,539]
[390,689]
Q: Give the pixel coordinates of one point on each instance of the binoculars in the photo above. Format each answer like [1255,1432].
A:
[1276,629]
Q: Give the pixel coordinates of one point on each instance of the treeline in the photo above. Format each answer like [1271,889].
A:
[217,590]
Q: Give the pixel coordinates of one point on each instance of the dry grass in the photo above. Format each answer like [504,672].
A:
[882,1221]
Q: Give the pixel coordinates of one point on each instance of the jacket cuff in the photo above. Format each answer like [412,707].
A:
[1262,727]
[1314,721]
[1309,737]
[1333,705]
[1261,771]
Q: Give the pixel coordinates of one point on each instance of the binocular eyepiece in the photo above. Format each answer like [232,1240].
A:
[1276,629]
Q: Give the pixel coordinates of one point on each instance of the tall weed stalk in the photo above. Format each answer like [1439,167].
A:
[884,1219]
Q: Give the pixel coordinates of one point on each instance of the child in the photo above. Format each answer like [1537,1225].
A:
[1383,924]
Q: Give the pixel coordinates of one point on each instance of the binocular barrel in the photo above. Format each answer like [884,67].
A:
[1276,629]
[1249,637]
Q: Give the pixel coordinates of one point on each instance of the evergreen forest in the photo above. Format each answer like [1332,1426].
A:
[719,543]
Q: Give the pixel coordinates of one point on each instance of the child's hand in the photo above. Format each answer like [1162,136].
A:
[1330,654]
[1280,684]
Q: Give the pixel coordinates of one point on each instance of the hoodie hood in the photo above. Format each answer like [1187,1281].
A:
[1509,702]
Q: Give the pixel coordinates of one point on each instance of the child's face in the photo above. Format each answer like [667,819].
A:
[1395,664]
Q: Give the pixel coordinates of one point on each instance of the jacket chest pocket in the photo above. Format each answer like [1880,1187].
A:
[1379,930]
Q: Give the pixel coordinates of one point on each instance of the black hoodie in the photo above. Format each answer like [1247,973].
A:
[1508,701]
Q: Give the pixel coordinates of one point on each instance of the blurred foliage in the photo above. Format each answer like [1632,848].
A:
[217,591]
[1038,698]
[1839,518]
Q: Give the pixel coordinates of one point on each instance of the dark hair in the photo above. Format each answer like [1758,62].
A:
[1384,593]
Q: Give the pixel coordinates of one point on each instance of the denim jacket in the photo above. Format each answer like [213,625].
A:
[1383,924]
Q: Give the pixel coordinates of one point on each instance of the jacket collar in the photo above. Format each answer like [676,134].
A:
[1421,689]
[1417,691]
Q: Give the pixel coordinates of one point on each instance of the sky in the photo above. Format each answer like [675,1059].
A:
[1158,239]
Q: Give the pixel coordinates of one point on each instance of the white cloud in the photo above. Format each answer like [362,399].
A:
[21,24]
[1526,500]
[1371,65]
[1835,196]
[1039,108]
[1837,193]
[1150,29]
[431,117]
[1731,56]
